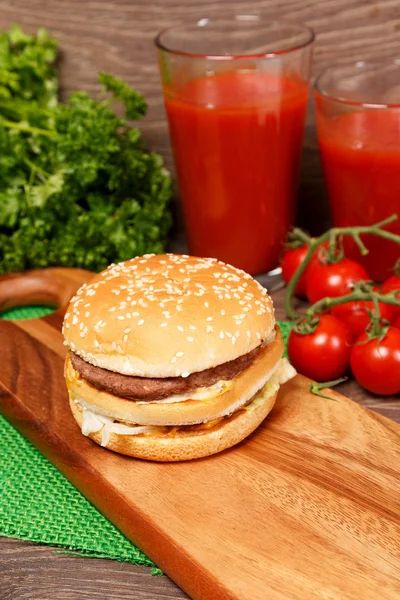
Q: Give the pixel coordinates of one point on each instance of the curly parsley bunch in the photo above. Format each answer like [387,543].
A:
[77,186]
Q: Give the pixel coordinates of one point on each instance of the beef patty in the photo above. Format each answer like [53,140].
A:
[148,388]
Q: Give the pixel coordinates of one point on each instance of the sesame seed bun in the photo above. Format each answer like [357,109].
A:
[167,316]
[185,445]
[235,394]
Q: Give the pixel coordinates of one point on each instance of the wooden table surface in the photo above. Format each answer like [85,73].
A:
[116,36]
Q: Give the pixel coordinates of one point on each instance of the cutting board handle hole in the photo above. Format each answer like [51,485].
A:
[41,291]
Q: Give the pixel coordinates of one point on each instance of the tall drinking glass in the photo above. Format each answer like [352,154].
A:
[358,124]
[236,91]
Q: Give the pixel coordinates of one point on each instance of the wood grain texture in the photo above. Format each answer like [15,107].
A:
[117,36]
[307,507]
[32,572]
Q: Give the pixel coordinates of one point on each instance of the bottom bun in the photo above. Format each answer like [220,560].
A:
[185,445]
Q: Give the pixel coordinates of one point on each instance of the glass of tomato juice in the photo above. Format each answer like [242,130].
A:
[236,91]
[358,125]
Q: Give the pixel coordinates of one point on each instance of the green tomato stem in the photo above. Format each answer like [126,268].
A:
[375,318]
[315,388]
[358,295]
[331,235]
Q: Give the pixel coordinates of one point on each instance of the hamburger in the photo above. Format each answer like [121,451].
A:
[172,357]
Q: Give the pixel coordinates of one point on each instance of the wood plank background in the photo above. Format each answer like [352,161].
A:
[117,36]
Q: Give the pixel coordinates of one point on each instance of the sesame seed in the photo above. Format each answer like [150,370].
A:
[74,320]
[238,322]
[121,317]
[192,327]
[180,328]
[180,354]
[163,324]
[125,338]
[112,309]
[206,304]
[248,334]
[173,360]
[141,322]
[223,312]
[190,339]
[209,319]
[209,329]
[221,335]
[127,330]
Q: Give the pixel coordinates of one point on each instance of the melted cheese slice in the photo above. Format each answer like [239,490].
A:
[203,393]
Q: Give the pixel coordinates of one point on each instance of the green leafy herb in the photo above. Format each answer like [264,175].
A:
[77,186]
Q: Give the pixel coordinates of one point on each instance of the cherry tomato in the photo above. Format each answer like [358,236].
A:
[391,284]
[324,354]
[356,316]
[290,262]
[333,279]
[376,363]
[396,322]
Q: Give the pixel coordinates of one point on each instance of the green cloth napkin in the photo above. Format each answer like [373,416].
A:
[38,504]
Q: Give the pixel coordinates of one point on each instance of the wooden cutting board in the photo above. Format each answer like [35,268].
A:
[308,507]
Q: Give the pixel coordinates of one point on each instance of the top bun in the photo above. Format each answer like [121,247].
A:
[167,316]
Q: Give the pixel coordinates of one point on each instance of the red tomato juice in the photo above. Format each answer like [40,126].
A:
[360,154]
[237,138]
